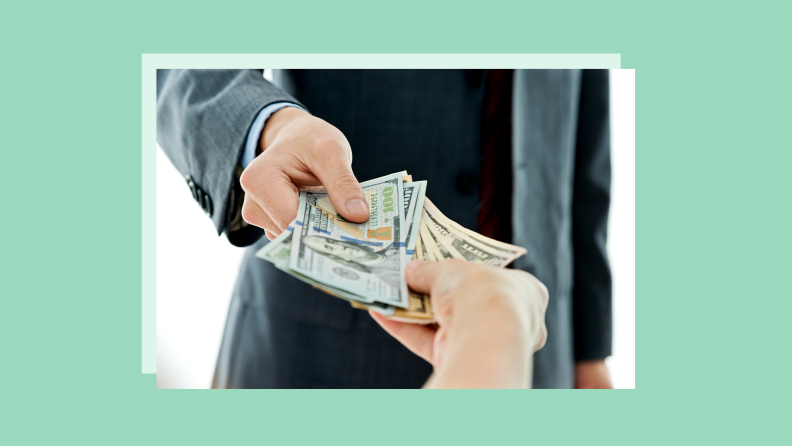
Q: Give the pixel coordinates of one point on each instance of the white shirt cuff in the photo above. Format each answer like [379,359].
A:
[255,130]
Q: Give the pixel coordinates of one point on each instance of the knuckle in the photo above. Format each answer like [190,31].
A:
[543,340]
[328,148]
[246,180]
[271,172]
[282,215]
[256,177]
[527,282]
[249,214]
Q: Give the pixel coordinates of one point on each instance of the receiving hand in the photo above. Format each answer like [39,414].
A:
[299,151]
[489,321]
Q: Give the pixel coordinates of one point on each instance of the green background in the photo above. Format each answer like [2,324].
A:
[713,161]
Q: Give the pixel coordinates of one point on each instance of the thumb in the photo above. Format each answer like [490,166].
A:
[342,187]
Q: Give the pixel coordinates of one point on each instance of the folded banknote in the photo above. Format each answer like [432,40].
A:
[364,263]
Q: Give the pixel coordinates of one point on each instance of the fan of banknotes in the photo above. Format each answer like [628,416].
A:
[364,263]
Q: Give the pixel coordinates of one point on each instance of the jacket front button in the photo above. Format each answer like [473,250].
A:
[193,188]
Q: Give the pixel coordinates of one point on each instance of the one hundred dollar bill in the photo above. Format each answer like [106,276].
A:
[365,259]
[420,309]
[414,194]
[364,262]
[278,252]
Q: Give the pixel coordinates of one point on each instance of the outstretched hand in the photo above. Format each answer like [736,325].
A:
[489,320]
[299,151]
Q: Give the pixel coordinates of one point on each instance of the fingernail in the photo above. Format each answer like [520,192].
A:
[415,263]
[357,207]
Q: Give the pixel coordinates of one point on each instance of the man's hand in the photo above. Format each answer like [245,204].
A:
[299,151]
[489,321]
[592,375]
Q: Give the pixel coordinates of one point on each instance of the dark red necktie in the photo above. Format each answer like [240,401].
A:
[495,180]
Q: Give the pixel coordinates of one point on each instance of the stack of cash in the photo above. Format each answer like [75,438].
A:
[364,263]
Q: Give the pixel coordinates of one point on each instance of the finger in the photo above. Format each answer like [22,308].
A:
[421,275]
[333,167]
[253,214]
[275,194]
[270,235]
[418,338]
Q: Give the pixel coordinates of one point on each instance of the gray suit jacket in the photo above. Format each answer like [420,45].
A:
[281,332]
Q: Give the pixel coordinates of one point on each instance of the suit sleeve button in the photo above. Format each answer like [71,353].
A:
[208,202]
[192,186]
[202,199]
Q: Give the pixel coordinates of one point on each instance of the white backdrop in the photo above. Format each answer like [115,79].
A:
[196,269]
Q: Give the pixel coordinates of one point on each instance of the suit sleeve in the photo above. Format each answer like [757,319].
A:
[591,201]
[203,119]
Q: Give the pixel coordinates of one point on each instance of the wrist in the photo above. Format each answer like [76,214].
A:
[275,123]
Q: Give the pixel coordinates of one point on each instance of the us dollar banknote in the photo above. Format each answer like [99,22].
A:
[413,199]
[363,263]
[420,309]
[365,259]
[453,241]
[278,251]
[414,195]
